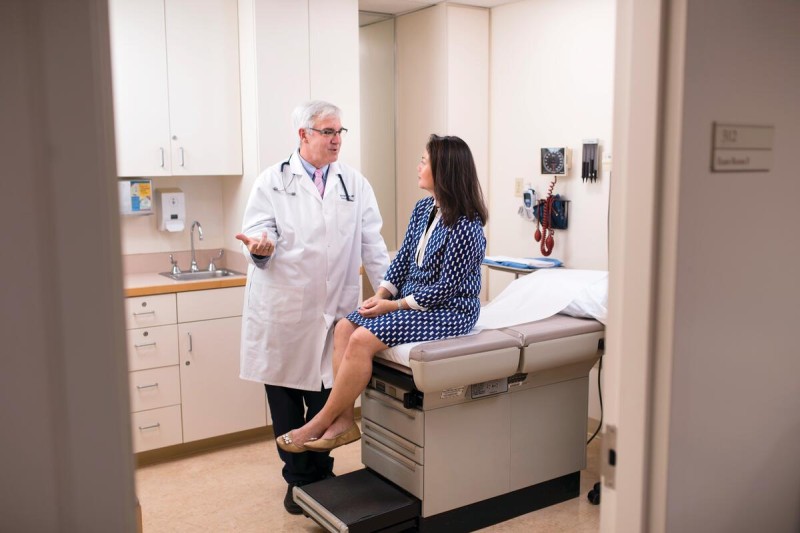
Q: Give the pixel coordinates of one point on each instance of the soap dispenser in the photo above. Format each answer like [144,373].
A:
[170,209]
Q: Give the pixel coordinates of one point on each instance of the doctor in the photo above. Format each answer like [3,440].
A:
[309,224]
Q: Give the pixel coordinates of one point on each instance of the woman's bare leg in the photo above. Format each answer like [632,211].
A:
[341,336]
[352,375]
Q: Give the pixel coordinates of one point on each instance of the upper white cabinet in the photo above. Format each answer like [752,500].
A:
[175,67]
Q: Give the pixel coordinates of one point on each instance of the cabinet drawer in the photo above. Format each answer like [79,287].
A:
[158,387]
[390,413]
[147,311]
[156,428]
[152,347]
[393,466]
[213,303]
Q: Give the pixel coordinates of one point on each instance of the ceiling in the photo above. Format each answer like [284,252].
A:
[396,7]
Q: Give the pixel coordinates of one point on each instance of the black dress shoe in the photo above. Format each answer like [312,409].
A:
[288,502]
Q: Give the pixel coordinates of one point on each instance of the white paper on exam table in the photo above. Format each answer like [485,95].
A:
[533,297]
[537,296]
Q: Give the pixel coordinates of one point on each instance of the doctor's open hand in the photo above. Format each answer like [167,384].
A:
[262,246]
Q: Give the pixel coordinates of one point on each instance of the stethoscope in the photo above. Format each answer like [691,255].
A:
[294,192]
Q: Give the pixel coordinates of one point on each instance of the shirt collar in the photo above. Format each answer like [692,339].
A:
[311,168]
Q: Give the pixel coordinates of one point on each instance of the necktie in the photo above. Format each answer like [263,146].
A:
[319,183]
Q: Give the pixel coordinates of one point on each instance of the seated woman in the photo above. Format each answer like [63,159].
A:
[431,290]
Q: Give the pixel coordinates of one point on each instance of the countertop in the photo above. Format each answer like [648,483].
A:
[148,284]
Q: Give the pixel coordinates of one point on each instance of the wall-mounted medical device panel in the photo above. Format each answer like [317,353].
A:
[556,161]
[590,160]
[528,205]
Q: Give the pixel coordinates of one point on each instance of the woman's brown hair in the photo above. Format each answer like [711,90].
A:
[455,180]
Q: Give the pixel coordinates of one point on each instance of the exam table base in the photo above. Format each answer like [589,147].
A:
[364,502]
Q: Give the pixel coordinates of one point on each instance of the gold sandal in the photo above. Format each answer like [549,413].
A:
[286,444]
[352,434]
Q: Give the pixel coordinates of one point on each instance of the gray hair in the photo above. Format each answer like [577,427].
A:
[307,113]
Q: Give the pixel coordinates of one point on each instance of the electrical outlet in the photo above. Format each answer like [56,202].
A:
[518,187]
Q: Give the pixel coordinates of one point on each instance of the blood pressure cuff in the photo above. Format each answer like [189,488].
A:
[558,215]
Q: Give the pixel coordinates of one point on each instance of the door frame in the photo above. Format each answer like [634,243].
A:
[642,238]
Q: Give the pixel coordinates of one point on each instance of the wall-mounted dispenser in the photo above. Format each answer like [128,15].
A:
[170,209]
[135,197]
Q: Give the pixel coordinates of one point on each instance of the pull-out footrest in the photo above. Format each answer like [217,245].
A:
[358,502]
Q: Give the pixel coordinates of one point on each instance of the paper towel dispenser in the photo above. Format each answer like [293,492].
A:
[170,209]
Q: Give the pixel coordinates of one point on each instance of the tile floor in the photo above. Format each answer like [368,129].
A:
[240,489]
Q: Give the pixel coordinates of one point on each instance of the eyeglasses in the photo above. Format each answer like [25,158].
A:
[328,132]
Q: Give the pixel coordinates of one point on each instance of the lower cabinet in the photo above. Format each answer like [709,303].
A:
[214,400]
[183,355]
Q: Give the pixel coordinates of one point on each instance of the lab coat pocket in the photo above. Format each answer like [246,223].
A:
[346,217]
[285,304]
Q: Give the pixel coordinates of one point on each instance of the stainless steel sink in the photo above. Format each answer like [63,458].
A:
[202,274]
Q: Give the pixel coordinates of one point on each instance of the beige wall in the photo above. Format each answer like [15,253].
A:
[203,203]
[377,120]
[468,83]
[421,107]
[442,87]
[551,85]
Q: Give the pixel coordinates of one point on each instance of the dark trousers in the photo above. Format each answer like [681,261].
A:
[288,409]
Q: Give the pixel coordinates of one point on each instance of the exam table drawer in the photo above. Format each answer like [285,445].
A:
[156,428]
[400,470]
[408,423]
[393,441]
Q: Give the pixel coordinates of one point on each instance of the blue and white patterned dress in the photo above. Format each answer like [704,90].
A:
[447,284]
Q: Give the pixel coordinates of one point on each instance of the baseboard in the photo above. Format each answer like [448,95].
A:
[179,451]
[186,449]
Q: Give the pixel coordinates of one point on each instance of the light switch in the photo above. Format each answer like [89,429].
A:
[518,187]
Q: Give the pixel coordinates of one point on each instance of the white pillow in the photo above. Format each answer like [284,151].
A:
[591,302]
[537,296]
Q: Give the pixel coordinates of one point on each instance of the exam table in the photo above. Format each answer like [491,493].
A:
[468,431]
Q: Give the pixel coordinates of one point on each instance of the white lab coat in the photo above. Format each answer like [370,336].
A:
[312,279]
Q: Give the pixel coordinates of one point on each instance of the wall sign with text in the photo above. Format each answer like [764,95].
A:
[742,148]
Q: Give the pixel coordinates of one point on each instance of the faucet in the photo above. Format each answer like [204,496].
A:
[176,270]
[194,268]
[211,266]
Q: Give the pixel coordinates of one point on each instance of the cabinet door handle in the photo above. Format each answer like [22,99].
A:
[153,426]
[183,161]
[190,341]
[144,313]
[162,156]
[144,345]
[140,387]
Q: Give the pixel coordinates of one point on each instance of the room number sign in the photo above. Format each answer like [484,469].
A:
[742,148]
